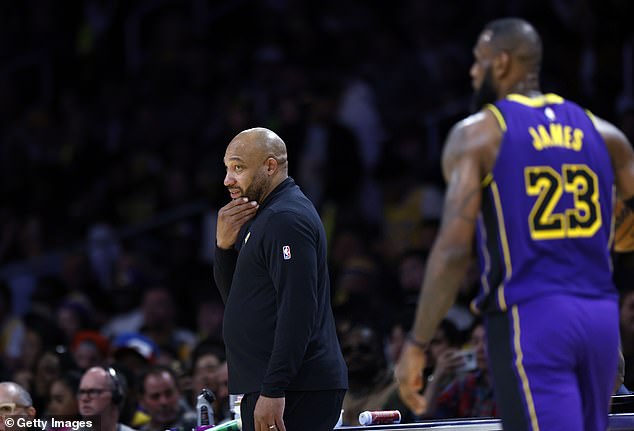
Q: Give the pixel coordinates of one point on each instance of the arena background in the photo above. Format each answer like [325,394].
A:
[114,116]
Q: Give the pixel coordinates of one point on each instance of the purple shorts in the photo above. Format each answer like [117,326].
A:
[554,361]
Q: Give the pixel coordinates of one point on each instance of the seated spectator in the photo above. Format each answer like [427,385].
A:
[49,366]
[160,323]
[134,351]
[441,367]
[62,400]
[89,349]
[162,401]
[470,394]
[102,393]
[15,401]
[209,370]
[370,382]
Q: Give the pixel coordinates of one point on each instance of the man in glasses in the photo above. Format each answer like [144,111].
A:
[14,401]
[100,396]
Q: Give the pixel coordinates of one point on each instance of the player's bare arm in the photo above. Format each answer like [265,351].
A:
[470,150]
[469,155]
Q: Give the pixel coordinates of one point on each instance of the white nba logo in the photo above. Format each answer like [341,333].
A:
[286,252]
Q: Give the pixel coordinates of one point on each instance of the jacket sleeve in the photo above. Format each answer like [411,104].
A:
[290,249]
[224,265]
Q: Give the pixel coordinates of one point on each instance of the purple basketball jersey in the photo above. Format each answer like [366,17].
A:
[546,219]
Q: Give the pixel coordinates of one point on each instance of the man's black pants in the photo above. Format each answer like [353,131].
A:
[303,411]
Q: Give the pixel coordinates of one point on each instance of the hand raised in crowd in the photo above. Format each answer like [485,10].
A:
[231,218]
[447,363]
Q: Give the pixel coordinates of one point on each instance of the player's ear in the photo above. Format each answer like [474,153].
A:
[501,64]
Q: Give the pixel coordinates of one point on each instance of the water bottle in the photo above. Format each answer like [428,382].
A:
[204,410]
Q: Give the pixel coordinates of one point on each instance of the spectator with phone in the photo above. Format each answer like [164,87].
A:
[470,394]
[442,361]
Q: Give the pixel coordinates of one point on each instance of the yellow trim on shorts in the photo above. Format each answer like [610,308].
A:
[519,357]
[486,180]
[505,245]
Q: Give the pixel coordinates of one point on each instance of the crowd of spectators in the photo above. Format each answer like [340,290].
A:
[114,116]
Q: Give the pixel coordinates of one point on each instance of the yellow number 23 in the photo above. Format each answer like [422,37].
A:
[582,220]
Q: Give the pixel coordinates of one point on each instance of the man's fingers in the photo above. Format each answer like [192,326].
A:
[242,218]
[280,424]
[236,207]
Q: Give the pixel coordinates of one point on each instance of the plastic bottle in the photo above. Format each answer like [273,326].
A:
[234,425]
[379,417]
[234,405]
[204,410]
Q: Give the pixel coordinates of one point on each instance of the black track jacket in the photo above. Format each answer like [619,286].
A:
[279,329]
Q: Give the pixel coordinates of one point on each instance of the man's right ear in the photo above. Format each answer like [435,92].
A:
[271,165]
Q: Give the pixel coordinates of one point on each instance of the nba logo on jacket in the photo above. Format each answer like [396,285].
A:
[286,252]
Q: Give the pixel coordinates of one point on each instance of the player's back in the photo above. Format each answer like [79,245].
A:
[547,205]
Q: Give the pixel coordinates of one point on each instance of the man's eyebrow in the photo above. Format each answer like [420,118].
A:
[233,158]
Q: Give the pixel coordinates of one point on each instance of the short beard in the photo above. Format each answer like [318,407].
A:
[258,188]
[485,94]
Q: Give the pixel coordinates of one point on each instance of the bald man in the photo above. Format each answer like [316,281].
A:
[270,268]
[15,402]
[536,174]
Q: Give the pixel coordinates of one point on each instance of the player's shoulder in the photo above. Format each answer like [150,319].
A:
[478,130]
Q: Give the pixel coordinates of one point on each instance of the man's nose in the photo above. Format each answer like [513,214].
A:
[229,180]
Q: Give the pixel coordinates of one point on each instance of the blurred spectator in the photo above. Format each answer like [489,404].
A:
[50,365]
[209,370]
[89,349]
[325,145]
[15,401]
[370,382]
[62,400]
[209,319]
[134,351]
[41,335]
[161,399]
[103,252]
[470,394]
[73,315]
[160,323]
[441,360]
[12,330]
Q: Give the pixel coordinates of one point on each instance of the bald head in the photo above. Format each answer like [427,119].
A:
[519,38]
[256,162]
[263,143]
[15,393]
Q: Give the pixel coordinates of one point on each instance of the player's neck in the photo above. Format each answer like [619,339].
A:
[528,86]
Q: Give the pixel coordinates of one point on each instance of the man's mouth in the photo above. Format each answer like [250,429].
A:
[234,193]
